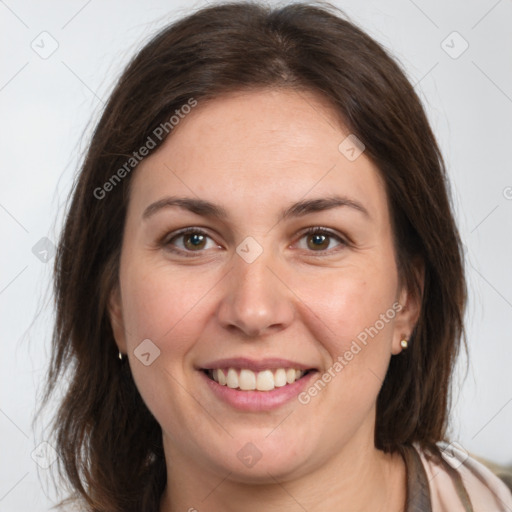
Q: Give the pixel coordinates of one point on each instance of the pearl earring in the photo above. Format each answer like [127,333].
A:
[404,343]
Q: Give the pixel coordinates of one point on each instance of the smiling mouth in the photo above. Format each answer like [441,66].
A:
[246,380]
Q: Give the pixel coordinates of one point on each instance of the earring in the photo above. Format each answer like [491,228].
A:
[120,356]
[404,343]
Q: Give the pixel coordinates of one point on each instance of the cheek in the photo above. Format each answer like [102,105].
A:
[159,300]
[352,315]
[351,301]
[354,321]
[164,306]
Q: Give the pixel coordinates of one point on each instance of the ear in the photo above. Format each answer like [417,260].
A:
[410,300]
[115,313]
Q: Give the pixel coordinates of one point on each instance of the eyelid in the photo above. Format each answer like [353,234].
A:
[312,230]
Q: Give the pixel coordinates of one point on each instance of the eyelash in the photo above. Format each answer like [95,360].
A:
[197,231]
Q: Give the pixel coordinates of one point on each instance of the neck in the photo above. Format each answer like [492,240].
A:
[353,479]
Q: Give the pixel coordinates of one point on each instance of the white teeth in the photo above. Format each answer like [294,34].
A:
[280,378]
[265,381]
[232,379]
[247,380]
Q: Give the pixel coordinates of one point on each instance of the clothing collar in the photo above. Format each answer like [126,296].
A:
[418,497]
[418,490]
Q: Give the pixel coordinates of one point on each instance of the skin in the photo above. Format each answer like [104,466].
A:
[255,153]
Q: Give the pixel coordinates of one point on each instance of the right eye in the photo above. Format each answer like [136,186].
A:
[193,240]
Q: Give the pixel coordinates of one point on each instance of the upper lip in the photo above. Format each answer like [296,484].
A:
[255,365]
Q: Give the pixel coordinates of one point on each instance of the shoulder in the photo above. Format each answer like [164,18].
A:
[460,482]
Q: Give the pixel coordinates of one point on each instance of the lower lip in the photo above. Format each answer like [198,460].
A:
[257,401]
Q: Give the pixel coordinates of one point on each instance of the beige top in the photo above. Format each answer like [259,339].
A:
[457,484]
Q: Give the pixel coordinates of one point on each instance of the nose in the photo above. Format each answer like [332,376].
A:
[255,297]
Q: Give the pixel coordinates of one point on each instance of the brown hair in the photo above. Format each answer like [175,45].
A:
[110,445]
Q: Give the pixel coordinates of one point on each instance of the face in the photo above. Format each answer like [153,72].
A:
[255,283]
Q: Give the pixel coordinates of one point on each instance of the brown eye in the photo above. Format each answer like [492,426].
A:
[319,240]
[194,241]
[188,241]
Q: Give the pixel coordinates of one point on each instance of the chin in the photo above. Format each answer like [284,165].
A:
[260,460]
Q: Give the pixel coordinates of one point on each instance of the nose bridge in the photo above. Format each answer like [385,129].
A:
[254,299]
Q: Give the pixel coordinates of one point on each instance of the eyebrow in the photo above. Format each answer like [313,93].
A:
[208,209]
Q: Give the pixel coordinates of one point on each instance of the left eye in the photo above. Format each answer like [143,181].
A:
[318,239]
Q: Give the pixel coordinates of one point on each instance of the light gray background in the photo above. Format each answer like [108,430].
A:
[47,105]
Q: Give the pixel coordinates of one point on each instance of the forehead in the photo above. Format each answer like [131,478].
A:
[283,123]
[277,145]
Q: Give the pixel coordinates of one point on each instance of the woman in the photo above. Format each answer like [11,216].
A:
[260,286]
